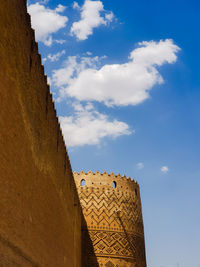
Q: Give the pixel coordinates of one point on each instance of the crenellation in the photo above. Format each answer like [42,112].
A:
[39,179]
[112,211]
[32,37]
[28,19]
[111,175]
[45,79]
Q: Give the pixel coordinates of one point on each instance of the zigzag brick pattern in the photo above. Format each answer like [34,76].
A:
[112,209]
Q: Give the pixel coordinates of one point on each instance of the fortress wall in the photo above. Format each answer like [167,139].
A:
[113,218]
[40,222]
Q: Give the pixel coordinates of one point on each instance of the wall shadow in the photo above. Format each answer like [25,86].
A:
[88,256]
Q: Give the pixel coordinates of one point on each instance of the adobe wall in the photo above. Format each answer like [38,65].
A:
[113,218]
[40,222]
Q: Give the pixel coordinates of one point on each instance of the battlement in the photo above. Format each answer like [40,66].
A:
[106,181]
[112,210]
[37,185]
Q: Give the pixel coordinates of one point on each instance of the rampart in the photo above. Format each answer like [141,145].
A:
[40,222]
[112,209]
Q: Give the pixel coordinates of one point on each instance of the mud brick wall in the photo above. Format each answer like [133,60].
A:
[40,215]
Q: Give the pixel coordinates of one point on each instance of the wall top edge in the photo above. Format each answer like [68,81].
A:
[106,174]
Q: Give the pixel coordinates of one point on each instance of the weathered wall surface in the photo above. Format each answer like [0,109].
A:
[114,219]
[40,222]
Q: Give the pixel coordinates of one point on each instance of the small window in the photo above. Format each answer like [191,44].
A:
[114,184]
[82,182]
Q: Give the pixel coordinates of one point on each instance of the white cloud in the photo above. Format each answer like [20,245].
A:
[117,84]
[63,75]
[90,18]
[109,16]
[88,127]
[72,67]
[46,21]
[60,8]
[76,5]
[140,165]
[56,56]
[60,41]
[164,169]
[48,41]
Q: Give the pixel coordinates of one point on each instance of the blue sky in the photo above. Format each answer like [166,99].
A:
[126,83]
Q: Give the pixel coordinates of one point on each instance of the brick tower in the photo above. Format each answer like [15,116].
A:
[112,209]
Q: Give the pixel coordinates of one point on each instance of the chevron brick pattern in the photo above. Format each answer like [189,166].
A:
[103,207]
[114,219]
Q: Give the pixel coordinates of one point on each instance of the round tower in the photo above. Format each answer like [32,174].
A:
[112,210]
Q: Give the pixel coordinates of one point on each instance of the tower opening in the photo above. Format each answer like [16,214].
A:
[83,182]
[114,184]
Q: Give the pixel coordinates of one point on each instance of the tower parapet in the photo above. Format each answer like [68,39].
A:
[112,209]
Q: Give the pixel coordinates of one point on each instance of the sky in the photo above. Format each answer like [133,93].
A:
[125,79]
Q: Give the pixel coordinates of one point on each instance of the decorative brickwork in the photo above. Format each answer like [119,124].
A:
[112,210]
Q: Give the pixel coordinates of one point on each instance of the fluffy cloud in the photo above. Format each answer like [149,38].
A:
[109,16]
[117,84]
[90,18]
[76,5]
[140,165]
[46,21]
[71,68]
[55,57]
[89,127]
[60,41]
[164,169]
[60,8]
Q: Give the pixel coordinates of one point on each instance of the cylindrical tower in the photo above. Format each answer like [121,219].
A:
[112,210]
